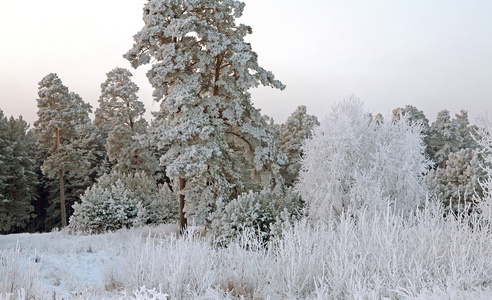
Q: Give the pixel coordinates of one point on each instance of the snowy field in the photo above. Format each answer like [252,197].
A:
[361,257]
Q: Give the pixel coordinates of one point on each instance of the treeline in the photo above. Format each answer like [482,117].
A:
[111,164]
[67,155]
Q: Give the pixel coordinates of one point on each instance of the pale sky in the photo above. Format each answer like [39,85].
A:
[432,54]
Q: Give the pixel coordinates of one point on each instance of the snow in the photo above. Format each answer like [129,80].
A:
[71,266]
[379,258]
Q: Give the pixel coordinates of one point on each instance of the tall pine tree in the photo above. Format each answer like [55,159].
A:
[60,113]
[201,74]
[120,118]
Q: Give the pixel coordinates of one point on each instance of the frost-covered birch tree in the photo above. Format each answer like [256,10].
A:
[201,72]
[352,162]
[415,116]
[120,118]
[485,142]
[60,112]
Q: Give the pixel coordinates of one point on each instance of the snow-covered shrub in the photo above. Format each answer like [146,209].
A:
[353,162]
[264,212]
[104,209]
[119,201]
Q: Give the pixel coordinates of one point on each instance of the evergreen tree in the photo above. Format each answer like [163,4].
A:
[458,183]
[119,117]
[4,145]
[17,177]
[466,131]
[412,115]
[123,200]
[444,138]
[273,127]
[455,178]
[60,113]
[202,72]
[293,133]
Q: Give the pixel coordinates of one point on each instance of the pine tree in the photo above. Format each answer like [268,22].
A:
[4,145]
[60,113]
[413,115]
[202,72]
[120,119]
[119,200]
[466,131]
[457,185]
[293,133]
[444,138]
[455,178]
[273,127]
[17,177]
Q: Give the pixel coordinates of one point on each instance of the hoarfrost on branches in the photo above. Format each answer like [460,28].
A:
[485,141]
[352,162]
[119,116]
[201,74]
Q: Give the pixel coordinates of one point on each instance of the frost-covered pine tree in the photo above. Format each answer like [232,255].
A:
[444,138]
[293,132]
[60,112]
[120,118]
[119,200]
[201,73]
[413,115]
[353,162]
[272,126]
[456,176]
[18,179]
[458,184]
[466,131]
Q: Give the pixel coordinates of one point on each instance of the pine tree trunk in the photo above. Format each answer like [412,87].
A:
[62,200]
[62,187]
[182,219]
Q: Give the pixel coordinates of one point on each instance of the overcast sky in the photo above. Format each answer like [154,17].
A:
[432,54]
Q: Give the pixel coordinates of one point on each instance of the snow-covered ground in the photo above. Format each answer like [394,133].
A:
[373,258]
[71,266]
